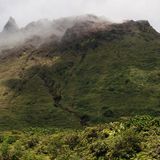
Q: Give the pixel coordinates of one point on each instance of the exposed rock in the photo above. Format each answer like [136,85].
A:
[46,34]
[11,26]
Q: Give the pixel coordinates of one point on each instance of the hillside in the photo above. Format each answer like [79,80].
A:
[96,73]
[132,139]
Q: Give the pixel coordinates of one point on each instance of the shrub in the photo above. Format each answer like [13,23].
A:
[31,156]
[98,149]
[72,140]
[17,151]
[32,142]
[126,145]
[4,151]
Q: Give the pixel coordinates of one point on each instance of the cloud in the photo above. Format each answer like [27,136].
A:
[25,11]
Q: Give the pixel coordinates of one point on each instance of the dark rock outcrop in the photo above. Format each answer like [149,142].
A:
[11,26]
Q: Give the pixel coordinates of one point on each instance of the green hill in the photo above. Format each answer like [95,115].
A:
[96,78]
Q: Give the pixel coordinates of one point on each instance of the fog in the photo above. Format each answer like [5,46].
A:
[37,21]
[46,31]
[25,11]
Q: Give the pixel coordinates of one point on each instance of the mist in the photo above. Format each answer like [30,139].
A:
[115,10]
[45,31]
[37,21]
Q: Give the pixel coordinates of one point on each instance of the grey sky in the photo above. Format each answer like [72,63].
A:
[25,11]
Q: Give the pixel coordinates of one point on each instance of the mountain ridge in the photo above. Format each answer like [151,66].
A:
[79,28]
[103,75]
[10,26]
[42,28]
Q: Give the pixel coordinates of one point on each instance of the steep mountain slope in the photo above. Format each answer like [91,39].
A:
[103,73]
[43,29]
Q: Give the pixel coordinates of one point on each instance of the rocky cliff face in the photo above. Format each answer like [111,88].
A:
[45,34]
[11,26]
[44,29]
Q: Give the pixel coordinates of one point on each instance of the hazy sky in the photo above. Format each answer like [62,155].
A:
[25,11]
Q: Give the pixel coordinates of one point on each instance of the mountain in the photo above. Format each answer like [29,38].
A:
[86,71]
[43,29]
[10,26]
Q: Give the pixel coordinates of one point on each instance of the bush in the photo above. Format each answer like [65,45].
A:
[32,142]
[4,151]
[113,141]
[31,156]
[126,145]
[72,140]
[99,149]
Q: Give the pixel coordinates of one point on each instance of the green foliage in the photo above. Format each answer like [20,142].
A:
[111,141]
[99,78]
[127,145]
[4,151]
[107,76]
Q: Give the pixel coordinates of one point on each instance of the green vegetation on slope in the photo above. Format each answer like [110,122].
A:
[25,99]
[99,78]
[137,138]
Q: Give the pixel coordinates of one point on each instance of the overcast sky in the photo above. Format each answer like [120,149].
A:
[25,11]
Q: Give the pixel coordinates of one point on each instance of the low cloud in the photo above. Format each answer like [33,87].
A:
[25,11]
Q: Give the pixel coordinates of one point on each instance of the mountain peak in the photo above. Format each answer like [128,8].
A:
[11,26]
